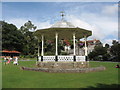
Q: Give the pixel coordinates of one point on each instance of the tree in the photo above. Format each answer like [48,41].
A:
[12,38]
[30,40]
[115,51]
[92,55]
[99,53]
[114,42]
[100,50]
[107,45]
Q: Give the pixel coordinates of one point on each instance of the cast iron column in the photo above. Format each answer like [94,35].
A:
[56,53]
[42,52]
[74,47]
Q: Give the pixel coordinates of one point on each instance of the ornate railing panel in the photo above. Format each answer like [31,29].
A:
[62,58]
[65,58]
[49,58]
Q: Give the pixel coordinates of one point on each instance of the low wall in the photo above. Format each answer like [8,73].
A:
[63,65]
[78,70]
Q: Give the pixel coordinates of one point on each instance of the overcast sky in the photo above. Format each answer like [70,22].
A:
[99,17]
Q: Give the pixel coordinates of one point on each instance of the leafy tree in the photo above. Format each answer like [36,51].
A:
[12,38]
[92,55]
[49,47]
[30,43]
[100,50]
[98,43]
[115,50]
[114,42]
[107,45]
[106,56]
[99,53]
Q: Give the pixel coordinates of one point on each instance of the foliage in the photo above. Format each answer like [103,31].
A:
[100,50]
[107,45]
[12,38]
[21,40]
[92,55]
[31,41]
[99,53]
[64,53]
[111,53]
[49,47]
[115,50]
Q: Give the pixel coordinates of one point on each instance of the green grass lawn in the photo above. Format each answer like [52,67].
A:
[14,77]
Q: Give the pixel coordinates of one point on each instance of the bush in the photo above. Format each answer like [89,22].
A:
[106,57]
[49,53]
[63,53]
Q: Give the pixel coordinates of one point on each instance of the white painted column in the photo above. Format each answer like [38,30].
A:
[74,43]
[86,53]
[38,49]
[56,36]
[42,52]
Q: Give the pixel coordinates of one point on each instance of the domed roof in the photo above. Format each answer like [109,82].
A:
[62,28]
[62,24]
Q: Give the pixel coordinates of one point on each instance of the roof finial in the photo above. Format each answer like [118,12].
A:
[62,14]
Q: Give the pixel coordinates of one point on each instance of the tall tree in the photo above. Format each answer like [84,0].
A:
[30,41]
[115,50]
[99,53]
[107,45]
[12,38]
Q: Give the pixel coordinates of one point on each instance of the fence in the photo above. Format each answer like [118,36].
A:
[62,58]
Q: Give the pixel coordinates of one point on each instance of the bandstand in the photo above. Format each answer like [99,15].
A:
[62,30]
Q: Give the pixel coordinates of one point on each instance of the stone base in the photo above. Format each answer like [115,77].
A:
[63,65]
[54,70]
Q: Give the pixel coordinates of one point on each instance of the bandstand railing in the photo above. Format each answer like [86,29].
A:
[62,58]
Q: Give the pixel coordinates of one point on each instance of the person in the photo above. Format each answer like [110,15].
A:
[15,62]
[117,66]
[8,60]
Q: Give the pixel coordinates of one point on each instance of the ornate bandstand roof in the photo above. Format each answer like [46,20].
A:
[64,29]
[62,24]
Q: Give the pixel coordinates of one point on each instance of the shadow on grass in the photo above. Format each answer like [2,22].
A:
[98,86]
[103,86]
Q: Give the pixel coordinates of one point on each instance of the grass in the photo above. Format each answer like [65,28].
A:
[14,77]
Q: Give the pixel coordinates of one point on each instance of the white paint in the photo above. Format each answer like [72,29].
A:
[74,43]
[62,58]
[65,58]
[42,52]
[56,36]
[48,58]
[86,46]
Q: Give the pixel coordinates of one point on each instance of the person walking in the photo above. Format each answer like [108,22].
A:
[15,62]
[11,58]
[8,60]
